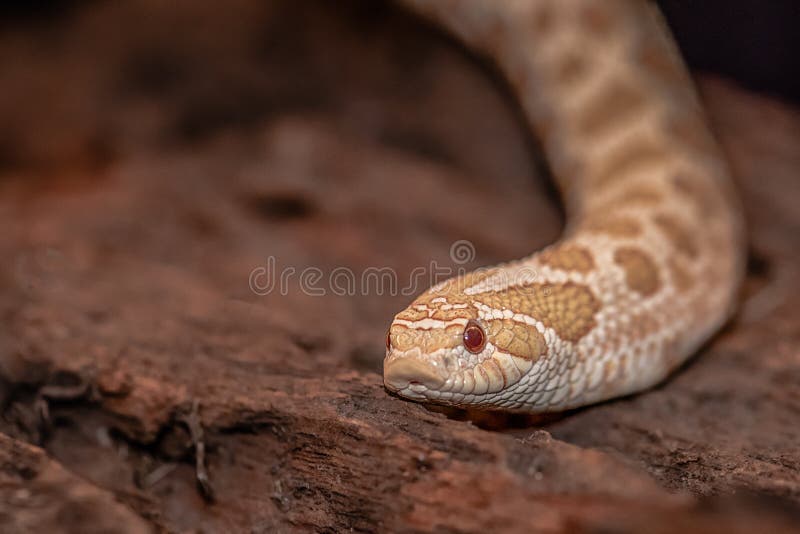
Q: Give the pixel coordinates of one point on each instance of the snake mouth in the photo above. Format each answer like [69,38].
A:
[411,376]
[426,377]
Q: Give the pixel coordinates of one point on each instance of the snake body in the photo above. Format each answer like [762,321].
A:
[653,252]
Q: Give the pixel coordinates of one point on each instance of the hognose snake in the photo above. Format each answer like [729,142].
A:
[653,252]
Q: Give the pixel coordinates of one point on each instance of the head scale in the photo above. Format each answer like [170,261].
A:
[449,348]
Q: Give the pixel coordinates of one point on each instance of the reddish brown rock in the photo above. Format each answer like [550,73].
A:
[38,495]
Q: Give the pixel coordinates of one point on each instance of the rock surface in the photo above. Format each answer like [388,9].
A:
[148,175]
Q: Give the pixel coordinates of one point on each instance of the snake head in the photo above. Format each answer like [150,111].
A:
[445,349]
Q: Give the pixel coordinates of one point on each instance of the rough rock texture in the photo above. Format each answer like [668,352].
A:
[38,495]
[149,171]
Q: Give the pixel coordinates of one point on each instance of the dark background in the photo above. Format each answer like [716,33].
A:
[752,41]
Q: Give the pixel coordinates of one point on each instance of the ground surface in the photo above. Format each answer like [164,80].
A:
[151,169]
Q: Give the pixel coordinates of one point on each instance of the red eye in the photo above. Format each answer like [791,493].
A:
[474,338]
[388,340]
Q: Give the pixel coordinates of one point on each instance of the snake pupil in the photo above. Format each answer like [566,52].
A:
[474,338]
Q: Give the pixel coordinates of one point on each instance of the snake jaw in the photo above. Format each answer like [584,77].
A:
[453,376]
[408,372]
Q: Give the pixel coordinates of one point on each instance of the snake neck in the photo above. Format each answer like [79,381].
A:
[653,251]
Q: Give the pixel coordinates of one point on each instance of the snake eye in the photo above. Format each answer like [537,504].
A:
[389,340]
[474,337]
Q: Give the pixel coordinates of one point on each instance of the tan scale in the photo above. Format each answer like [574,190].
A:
[653,254]
[568,258]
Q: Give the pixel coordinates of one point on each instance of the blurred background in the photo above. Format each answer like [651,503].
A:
[68,64]
[750,41]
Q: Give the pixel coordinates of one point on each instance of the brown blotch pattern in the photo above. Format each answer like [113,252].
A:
[568,258]
[518,339]
[643,325]
[643,194]
[696,188]
[677,234]
[658,60]
[641,273]
[637,195]
[689,130]
[571,68]
[615,226]
[543,20]
[632,158]
[597,19]
[567,308]
[616,102]
[681,278]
